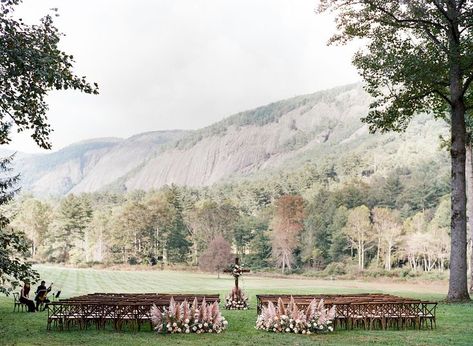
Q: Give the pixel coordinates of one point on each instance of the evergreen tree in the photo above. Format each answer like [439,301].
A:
[339,246]
[74,214]
[14,248]
[317,236]
[260,250]
[391,190]
[177,244]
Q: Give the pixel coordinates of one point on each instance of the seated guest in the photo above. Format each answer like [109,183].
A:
[42,294]
[24,297]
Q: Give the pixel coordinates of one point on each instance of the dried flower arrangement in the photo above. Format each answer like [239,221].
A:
[236,300]
[186,318]
[290,319]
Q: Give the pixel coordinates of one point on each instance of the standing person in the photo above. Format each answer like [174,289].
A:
[41,294]
[24,297]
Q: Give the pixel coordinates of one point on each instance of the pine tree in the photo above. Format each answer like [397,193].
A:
[177,243]
[74,215]
[14,248]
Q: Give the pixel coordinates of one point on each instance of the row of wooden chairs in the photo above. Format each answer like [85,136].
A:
[368,311]
[116,309]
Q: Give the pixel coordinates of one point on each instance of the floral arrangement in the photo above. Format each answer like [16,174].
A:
[290,319]
[236,300]
[186,318]
[237,270]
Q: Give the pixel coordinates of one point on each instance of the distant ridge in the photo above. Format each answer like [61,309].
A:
[278,136]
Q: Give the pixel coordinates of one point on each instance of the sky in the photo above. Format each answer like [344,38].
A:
[184,64]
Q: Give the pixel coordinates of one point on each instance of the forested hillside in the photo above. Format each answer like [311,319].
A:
[295,185]
[320,129]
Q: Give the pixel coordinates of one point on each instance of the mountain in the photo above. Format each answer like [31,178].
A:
[323,126]
[89,165]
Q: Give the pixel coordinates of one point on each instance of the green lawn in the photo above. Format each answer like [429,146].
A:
[455,322]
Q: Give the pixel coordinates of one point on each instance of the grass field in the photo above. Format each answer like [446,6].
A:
[455,322]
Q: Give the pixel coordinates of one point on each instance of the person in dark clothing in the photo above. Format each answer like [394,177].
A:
[24,297]
[42,295]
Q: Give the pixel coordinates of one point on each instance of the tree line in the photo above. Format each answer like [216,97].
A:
[401,220]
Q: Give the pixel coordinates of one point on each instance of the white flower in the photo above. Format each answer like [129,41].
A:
[206,324]
[186,321]
[288,330]
[225,322]
[330,328]
[308,332]
[194,328]
[200,325]
[187,331]
[174,324]
[303,331]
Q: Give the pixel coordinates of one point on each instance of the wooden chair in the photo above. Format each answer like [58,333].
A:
[16,303]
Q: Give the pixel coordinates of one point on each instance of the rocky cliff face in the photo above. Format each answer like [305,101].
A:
[90,165]
[263,139]
[244,147]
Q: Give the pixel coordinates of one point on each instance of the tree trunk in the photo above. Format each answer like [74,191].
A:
[469,204]
[165,254]
[195,253]
[86,248]
[458,283]
[359,255]
[362,256]
[378,252]
[388,258]
[458,286]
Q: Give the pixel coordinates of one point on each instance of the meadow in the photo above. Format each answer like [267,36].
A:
[454,322]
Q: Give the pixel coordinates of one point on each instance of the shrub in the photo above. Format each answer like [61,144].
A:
[335,268]
[132,260]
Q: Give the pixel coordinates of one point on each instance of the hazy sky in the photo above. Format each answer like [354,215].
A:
[169,64]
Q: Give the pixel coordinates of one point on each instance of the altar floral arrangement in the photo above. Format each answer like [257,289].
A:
[186,318]
[236,300]
[290,319]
